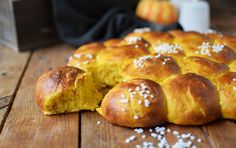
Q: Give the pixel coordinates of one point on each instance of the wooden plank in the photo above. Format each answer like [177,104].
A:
[12,65]
[107,135]
[39,13]
[223,15]
[222,134]
[26,24]
[26,125]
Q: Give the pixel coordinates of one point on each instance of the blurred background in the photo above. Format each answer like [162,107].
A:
[27,24]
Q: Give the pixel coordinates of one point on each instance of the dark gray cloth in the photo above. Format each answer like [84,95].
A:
[82,21]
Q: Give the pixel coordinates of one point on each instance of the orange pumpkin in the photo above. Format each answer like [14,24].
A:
[161,12]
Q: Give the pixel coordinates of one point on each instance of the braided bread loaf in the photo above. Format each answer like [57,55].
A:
[186,78]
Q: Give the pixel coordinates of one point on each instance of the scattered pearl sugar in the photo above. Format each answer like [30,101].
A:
[146,103]
[168,48]
[131,138]
[138,130]
[234,87]
[145,96]
[136,117]
[122,109]
[184,140]
[137,88]
[199,140]
[159,137]
[147,91]
[175,133]
[154,135]
[139,102]
[162,132]
[185,135]
[181,144]
[205,48]
[122,96]
[163,143]
[77,55]
[141,90]
[133,39]
[124,101]
[148,144]
[192,137]
[90,56]
[98,122]
[142,30]
[217,48]
[158,55]
[86,62]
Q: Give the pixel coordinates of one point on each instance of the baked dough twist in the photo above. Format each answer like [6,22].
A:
[186,78]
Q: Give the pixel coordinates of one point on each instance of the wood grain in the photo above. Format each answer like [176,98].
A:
[12,66]
[106,135]
[222,134]
[26,126]
[223,15]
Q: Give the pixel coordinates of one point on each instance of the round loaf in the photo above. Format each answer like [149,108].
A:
[149,67]
[227,91]
[85,56]
[135,103]
[66,89]
[154,38]
[204,67]
[191,100]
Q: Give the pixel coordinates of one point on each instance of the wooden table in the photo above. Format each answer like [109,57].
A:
[24,125]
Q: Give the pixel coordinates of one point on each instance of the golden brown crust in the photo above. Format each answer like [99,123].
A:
[153,67]
[154,38]
[93,47]
[142,34]
[227,91]
[121,53]
[138,41]
[85,55]
[229,41]
[113,42]
[129,40]
[225,56]
[188,37]
[204,67]
[54,81]
[191,100]
[119,107]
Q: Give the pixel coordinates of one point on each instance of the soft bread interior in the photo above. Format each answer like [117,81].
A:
[83,95]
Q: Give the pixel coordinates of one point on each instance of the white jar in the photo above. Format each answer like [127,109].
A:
[195,15]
